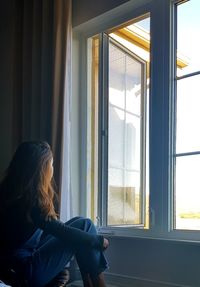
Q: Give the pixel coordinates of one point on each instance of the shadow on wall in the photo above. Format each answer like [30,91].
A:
[84,10]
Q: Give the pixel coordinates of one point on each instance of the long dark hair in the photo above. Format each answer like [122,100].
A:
[27,180]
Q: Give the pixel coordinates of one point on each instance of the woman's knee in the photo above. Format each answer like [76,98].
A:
[88,222]
[89,225]
[83,223]
[72,220]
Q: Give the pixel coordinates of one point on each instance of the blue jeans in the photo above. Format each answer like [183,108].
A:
[43,256]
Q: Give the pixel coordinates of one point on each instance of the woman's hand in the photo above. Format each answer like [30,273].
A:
[105,243]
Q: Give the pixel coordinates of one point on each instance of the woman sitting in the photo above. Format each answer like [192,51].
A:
[33,241]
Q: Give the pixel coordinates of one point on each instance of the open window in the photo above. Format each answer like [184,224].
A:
[119,124]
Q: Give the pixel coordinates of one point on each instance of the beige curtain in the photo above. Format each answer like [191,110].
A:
[61,105]
[41,79]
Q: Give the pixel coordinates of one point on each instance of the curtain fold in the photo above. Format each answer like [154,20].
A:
[41,45]
[61,104]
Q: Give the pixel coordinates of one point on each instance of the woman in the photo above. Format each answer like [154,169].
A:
[33,241]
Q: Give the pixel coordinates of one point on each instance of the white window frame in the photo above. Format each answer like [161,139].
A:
[161,113]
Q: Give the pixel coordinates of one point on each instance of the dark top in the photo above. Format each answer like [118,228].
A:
[16,229]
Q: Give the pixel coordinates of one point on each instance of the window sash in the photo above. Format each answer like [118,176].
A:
[175,154]
[103,129]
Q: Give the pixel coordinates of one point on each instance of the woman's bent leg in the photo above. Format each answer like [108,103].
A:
[61,279]
[91,261]
[48,261]
[51,256]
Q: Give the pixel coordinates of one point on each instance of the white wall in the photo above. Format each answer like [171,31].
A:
[85,10]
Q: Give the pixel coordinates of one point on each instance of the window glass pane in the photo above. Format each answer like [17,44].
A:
[116,137]
[133,198]
[116,76]
[188,40]
[116,198]
[125,149]
[142,24]
[187,195]
[132,142]
[188,115]
[124,197]
[133,86]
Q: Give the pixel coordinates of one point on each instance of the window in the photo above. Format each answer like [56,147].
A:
[187,145]
[139,102]
[120,114]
